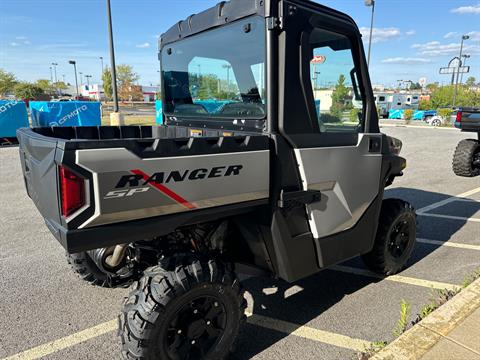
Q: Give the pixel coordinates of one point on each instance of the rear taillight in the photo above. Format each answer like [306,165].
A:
[72,191]
[459,117]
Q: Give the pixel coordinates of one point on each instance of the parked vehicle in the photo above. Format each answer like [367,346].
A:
[435,120]
[387,101]
[262,186]
[428,114]
[466,160]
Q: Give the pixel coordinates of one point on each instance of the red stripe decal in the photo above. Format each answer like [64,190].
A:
[163,189]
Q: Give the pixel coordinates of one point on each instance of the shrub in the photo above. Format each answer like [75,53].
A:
[354,115]
[330,118]
[424,105]
[444,113]
[408,115]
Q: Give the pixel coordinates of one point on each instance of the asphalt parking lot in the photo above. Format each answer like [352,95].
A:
[48,312]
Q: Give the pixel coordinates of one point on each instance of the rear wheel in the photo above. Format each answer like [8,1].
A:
[192,312]
[395,239]
[85,267]
[466,160]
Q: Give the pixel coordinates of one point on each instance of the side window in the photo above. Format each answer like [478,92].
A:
[335,85]
[382,98]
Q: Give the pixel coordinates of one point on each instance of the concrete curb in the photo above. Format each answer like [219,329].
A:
[416,342]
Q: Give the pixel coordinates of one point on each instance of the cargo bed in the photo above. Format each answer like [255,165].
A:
[136,182]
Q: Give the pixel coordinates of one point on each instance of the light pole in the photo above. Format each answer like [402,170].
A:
[74,63]
[88,80]
[372,4]
[464,37]
[63,77]
[115,116]
[54,64]
[228,67]
[81,78]
[465,56]
[101,60]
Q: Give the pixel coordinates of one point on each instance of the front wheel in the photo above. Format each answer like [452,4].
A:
[191,312]
[395,239]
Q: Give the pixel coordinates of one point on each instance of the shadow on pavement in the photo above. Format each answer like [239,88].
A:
[323,290]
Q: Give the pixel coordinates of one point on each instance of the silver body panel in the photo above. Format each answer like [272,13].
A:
[148,200]
[348,178]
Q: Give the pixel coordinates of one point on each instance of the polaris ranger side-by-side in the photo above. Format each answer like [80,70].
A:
[246,176]
[466,160]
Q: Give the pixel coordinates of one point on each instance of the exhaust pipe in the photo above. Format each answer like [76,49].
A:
[107,259]
[117,257]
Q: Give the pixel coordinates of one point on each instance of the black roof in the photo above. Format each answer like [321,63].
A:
[222,13]
[228,11]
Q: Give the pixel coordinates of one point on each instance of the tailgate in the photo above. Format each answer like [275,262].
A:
[37,156]
[470,120]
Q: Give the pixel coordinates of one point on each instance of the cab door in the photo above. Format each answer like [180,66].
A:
[328,116]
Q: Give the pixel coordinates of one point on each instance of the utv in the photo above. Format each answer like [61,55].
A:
[245,176]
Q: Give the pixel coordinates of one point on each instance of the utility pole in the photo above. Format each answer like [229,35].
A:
[464,37]
[74,63]
[372,4]
[115,117]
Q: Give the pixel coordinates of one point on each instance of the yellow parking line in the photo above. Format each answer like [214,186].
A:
[449,244]
[65,342]
[450,217]
[396,278]
[289,328]
[309,333]
[448,200]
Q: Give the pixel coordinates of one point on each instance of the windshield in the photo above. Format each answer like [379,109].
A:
[217,74]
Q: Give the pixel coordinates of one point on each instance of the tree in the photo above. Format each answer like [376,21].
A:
[470,81]
[107,83]
[7,82]
[415,86]
[27,91]
[443,97]
[60,85]
[45,85]
[425,105]
[432,87]
[130,92]
[339,98]
[125,74]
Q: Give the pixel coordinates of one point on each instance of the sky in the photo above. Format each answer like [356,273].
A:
[411,38]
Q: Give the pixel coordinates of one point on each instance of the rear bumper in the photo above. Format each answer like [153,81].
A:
[126,232]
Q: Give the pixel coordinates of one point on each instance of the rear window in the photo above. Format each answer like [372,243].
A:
[217,74]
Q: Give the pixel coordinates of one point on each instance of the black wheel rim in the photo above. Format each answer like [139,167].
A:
[399,238]
[196,328]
